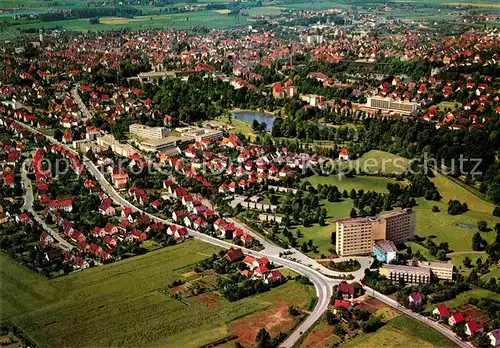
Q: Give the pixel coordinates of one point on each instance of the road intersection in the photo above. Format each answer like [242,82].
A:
[319,275]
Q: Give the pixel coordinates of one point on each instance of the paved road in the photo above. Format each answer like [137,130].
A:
[322,283]
[436,326]
[81,105]
[28,206]
[300,257]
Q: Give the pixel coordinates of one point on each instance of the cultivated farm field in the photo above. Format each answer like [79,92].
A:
[401,331]
[129,303]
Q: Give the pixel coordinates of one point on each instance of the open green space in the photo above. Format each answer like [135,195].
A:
[493,273]
[321,235]
[21,290]
[444,226]
[451,190]
[402,331]
[423,250]
[128,303]
[239,126]
[366,183]
[375,161]
[448,104]
[458,260]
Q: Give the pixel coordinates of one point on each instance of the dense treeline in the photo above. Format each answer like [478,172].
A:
[437,147]
[90,13]
[205,98]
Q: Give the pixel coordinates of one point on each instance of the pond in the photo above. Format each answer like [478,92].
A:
[250,116]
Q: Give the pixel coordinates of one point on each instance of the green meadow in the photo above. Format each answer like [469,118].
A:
[128,303]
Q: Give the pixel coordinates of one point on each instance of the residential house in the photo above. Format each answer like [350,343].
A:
[339,304]
[494,337]
[415,298]
[473,327]
[441,311]
[456,318]
[234,255]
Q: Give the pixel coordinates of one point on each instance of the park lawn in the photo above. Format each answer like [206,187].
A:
[458,260]
[366,183]
[443,226]
[21,290]
[451,190]
[128,303]
[448,104]
[239,126]
[376,162]
[402,331]
[493,273]
[321,235]
[423,250]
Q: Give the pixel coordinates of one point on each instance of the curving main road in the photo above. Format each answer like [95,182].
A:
[322,283]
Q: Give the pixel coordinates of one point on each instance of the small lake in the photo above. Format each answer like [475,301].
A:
[250,116]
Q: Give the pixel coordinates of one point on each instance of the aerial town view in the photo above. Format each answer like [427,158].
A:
[250,173]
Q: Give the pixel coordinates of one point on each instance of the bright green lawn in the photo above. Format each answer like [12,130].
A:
[450,190]
[322,234]
[449,105]
[239,126]
[458,261]
[375,161]
[367,183]
[442,225]
[494,273]
[423,250]
[127,303]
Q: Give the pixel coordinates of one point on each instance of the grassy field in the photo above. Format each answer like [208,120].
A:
[239,126]
[128,303]
[322,234]
[451,190]
[21,290]
[367,183]
[458,260]
[494,273]
[443,226]
[449,105]
[375,162]
[423,250]
[402,331]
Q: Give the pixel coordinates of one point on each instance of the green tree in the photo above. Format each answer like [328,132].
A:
[263,339]
[482,225]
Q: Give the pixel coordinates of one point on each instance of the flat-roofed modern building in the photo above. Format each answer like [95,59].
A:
[388,104]
[199,134]
[355,236]
[109,141]
[401,225]
[160,145]
[440,270]
[147,133]
[410,274]
[385,250]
